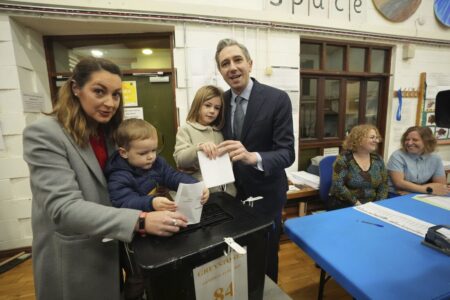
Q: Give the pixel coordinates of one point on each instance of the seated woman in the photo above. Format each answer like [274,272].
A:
[414,167]
[359,174]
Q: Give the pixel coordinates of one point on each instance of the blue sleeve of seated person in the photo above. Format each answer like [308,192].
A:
[171,177]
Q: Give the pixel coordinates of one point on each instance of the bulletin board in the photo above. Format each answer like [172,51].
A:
[430,85]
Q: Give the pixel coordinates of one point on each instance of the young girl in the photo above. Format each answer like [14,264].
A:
[202,133]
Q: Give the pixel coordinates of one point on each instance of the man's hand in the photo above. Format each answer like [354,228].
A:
[205,196]
[162,203]
[237,152]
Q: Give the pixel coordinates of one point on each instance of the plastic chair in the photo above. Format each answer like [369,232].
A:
[326,176]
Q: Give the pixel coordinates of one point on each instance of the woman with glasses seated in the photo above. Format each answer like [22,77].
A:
[414,167]
[359,174]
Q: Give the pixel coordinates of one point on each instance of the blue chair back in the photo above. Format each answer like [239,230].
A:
[326,176]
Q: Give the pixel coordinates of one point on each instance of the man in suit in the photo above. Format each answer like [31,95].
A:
[261,144]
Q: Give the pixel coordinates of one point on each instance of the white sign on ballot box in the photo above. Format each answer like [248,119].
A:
[224,278]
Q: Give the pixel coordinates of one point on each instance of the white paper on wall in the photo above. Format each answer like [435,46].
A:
[33,102]
[133,112]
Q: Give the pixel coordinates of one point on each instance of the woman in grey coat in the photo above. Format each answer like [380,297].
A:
[75,229]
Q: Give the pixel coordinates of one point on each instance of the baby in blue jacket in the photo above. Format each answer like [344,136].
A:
[135,171]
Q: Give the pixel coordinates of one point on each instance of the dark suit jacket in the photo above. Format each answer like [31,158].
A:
[268,130]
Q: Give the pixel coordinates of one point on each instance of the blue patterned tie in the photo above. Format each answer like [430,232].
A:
[238,118]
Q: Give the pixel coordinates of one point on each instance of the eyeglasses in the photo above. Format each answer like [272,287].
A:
[374,138]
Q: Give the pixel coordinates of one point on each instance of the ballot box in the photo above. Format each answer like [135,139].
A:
[167,264]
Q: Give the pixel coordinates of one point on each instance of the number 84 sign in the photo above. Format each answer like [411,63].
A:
[224,278]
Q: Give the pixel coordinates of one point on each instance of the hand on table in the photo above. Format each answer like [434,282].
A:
[439,189]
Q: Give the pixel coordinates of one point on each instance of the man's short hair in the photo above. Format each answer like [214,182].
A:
[222,44]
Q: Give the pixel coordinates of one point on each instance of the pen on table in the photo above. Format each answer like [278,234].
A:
[375,224]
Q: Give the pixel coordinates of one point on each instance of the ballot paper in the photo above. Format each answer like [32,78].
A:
[188,199]
[216,171]
[403,221]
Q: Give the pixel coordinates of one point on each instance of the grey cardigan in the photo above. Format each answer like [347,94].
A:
[71,217]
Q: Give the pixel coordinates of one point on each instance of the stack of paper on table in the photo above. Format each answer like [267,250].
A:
[446,164]
[304,178]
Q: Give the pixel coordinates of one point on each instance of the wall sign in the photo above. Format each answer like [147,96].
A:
[350,10]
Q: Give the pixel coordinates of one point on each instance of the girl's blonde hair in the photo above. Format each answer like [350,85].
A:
[204,94]
[68,110]
[356,136]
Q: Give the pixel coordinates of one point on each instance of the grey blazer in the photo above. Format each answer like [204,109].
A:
[71,216]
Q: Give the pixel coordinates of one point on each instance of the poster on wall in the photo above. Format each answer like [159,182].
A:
[129,93]
[435,82]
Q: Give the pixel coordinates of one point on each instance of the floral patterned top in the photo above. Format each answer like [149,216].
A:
[351,184]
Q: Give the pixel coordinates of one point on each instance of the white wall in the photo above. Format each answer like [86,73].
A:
[23,69]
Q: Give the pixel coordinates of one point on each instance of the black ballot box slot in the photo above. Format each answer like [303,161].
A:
[167,263]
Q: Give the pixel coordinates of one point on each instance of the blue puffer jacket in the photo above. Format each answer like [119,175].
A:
[129,186]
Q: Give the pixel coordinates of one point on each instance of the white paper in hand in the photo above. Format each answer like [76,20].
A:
[216,171]
[188,199]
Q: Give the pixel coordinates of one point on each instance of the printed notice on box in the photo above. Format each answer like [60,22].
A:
[223,278]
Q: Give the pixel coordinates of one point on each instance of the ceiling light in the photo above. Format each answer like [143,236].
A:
[96,53]
[147,51]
